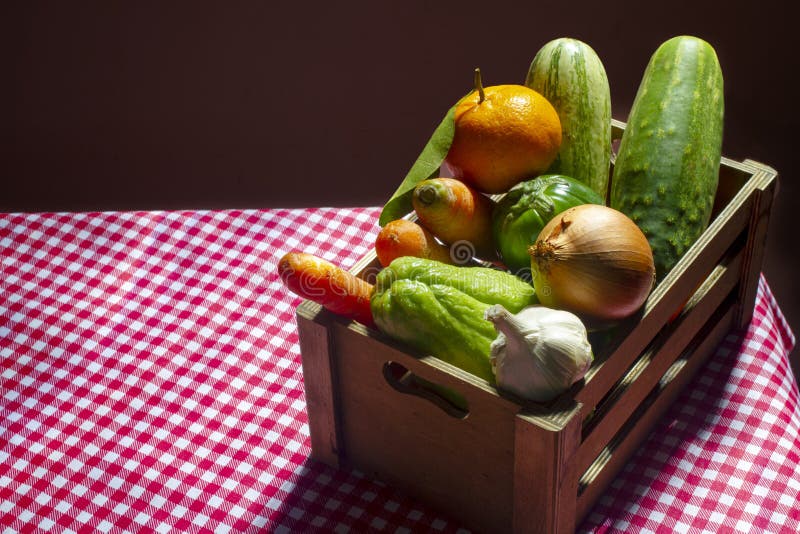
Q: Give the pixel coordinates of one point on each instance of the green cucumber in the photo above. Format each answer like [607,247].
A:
[667,169]
[569,74]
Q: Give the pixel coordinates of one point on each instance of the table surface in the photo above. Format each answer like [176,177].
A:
[151,381]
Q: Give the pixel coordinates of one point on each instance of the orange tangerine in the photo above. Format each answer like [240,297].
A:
[503,135]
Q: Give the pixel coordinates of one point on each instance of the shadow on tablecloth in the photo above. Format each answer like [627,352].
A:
[320,498]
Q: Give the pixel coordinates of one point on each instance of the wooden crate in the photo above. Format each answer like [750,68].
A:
[509,466]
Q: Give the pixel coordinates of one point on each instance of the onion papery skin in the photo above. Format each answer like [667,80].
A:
[595,262]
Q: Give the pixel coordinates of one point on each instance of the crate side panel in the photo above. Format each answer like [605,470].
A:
[463,467]
[670,295]
[618,452]
[655,361]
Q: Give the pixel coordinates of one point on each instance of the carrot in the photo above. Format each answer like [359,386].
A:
[402,237]
[456,214]
[328,285]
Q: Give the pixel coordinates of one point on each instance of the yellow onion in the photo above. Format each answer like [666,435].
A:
[593,261]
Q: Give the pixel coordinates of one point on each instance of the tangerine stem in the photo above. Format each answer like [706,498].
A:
[479,86]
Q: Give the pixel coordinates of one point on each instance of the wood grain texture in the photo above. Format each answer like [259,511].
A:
[614,456]
[320,382]
[651,366]
[461,466]
[545,473]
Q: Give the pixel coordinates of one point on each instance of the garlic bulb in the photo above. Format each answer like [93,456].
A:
[539,352]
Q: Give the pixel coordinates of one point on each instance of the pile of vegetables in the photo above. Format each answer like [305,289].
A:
[508,286]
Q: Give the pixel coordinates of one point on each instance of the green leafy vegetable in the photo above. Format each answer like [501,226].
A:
[427,166]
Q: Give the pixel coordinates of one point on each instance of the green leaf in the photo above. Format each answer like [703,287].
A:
[427,166]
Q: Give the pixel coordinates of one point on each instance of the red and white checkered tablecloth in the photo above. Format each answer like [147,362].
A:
[150,381]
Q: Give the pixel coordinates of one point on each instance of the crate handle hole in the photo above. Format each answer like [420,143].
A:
[406,382]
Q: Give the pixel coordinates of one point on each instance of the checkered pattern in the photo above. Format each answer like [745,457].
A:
[150,381]
[727,456]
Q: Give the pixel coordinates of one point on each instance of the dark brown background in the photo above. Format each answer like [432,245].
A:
[167,105]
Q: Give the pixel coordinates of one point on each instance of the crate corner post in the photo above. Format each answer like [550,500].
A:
[545,475]
[316,348]
[765,179]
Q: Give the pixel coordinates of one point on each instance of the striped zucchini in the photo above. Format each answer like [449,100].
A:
[569,74]
[667,168]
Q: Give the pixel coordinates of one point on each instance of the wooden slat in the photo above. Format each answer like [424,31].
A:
[319,379]
[367,267]
[668,297]
[657,359]
[614,457]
